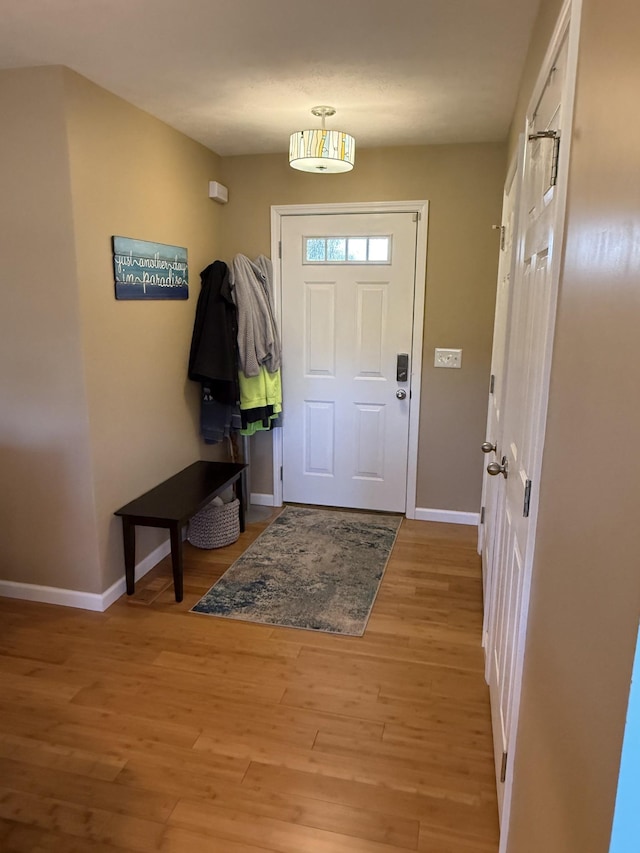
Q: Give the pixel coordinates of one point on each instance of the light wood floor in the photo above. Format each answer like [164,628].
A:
[148,728]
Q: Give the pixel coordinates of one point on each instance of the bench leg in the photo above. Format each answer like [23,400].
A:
[240,497]
[175,532]
[129,539]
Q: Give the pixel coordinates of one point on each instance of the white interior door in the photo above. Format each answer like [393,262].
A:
[493,489]
[347,314]
[528,353]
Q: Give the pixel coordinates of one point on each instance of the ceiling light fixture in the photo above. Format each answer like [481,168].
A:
[322,150]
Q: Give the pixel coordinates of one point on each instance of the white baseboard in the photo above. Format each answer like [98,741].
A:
[258,499]
[51,595]
[84,600]
[421,514]
[448,516]
[119,588]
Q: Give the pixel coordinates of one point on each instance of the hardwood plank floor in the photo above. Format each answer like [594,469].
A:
[149,728]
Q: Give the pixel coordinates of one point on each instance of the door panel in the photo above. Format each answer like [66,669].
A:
[345,432]
[493,487]
[370,432]
[319,432]
[320,329]
[371,323]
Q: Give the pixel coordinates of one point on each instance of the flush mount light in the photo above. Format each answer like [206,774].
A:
[322,150]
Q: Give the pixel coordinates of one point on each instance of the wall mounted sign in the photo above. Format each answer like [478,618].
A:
[149,270]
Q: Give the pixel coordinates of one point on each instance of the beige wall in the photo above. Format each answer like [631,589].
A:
[586,582]
[134,176]
[47,511]
[463,184]
[96,406]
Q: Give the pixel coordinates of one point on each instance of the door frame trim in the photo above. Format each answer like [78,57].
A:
[421,208]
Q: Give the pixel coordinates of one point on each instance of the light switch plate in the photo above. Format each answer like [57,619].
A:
[447,357]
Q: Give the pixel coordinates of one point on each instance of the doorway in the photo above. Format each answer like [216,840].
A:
[523,343]
[349,286]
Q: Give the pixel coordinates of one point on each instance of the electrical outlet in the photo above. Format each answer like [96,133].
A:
[447,357]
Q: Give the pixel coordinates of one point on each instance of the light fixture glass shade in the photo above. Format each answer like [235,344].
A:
[322,151]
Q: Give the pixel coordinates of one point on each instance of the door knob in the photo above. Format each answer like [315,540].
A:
[495,468]
[487,447]
[401,393]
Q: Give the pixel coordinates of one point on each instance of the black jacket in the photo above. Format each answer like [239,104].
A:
[213,358]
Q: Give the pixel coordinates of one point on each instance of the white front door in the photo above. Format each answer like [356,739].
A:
[529,360]
[347,320]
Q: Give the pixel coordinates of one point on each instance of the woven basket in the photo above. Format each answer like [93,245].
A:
[215,526]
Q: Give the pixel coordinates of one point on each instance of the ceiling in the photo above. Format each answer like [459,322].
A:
[241,75]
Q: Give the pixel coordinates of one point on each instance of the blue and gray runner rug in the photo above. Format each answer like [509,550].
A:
[311,568]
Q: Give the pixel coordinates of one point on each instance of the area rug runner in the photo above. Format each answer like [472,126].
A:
[311,568]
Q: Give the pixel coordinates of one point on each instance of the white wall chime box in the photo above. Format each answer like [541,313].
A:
[218,192]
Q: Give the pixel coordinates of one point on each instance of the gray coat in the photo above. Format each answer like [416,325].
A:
[258,338]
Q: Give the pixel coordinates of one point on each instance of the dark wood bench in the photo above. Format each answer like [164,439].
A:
[171,505]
